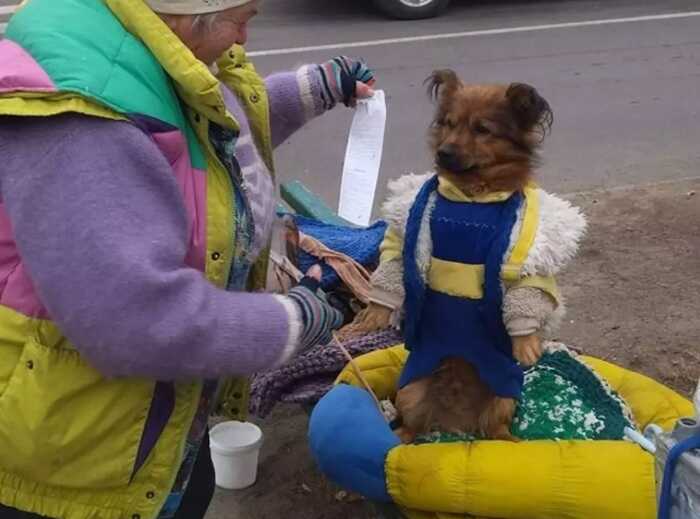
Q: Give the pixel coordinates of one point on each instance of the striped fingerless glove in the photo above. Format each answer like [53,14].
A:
[318,318]
[339,78]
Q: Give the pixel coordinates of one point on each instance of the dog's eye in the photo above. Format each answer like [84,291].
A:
[481,129]
[444,122]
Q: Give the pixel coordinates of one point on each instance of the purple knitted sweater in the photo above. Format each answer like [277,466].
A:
[101,226]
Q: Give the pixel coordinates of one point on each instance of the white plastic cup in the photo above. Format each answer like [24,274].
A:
[235,447]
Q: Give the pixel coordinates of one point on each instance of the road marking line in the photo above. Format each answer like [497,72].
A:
[465,34]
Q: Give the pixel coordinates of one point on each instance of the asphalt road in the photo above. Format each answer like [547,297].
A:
[625,95]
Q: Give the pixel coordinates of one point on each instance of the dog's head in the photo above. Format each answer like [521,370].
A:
[485,137]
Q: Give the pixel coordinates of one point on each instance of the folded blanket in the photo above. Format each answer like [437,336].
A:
[311,375]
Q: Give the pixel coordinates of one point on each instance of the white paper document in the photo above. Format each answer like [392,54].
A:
[363,157]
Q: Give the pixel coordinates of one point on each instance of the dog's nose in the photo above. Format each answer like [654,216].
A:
[447,158]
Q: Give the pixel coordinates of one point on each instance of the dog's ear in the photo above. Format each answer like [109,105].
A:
[441,83]
[530,109]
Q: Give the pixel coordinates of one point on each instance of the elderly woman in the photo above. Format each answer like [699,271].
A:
[136,203]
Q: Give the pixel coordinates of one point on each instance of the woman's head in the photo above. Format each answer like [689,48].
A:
[207,27]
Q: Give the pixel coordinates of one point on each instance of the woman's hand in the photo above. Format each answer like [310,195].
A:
[318,317]
[363,90]
[345,80]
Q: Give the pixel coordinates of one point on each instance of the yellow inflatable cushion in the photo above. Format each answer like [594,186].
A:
[527,480]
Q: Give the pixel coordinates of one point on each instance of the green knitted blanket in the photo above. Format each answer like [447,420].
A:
[563,399]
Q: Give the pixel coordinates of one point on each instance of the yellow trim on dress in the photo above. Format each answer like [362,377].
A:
[512,269]
[456,279]
[455,194]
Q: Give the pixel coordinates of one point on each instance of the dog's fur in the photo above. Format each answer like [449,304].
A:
[484,139]
[455,400]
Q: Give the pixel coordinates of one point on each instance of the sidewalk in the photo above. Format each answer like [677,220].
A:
[633,296]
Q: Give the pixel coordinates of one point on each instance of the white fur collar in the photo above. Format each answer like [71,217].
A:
[559,231]
[402,193]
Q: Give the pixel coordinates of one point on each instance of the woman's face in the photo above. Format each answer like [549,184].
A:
[209,41]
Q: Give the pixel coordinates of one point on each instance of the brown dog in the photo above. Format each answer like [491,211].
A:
[484,139]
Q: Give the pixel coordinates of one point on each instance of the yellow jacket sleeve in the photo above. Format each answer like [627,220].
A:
[392,246]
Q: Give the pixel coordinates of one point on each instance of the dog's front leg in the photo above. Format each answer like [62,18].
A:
[414,408]
[371,319]
[527,349]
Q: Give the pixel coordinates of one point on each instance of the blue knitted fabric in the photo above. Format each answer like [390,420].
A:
[412,280]
[361,244]
[439,325]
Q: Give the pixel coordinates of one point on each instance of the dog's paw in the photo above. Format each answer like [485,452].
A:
[406,435]
[527,349]
[496,419]
[503,434]
[371,319]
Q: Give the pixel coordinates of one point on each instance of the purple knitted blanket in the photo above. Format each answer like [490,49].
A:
[311,375]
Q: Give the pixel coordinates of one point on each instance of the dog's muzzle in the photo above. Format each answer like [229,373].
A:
[446,158]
